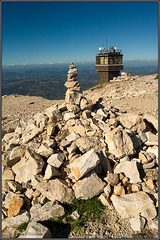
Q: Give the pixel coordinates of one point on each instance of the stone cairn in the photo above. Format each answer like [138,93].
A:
[74,96]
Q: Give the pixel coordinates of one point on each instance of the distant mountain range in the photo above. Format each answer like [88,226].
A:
[47,80]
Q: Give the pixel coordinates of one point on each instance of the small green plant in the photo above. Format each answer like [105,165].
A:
[22,227]
[156,77]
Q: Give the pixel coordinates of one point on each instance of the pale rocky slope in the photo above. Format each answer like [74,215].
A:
[105,145]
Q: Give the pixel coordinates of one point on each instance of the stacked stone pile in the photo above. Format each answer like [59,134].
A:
[64,152]
[74,97]
[124,77]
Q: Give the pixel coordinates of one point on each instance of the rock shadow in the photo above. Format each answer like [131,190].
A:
[57,229]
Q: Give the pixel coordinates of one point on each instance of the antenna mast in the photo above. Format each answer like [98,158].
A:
[106,44]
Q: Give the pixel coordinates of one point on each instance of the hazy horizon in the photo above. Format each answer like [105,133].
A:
[131,61]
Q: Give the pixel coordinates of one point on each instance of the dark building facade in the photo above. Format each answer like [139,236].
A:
[108,64]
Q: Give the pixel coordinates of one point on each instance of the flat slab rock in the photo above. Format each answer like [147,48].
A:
[36,230]
[88,187]
[131,205]
[16,221]
[82,165]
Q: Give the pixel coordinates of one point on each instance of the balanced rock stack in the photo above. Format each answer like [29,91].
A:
[74,96]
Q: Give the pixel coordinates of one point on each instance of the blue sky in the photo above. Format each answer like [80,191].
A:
[51,32]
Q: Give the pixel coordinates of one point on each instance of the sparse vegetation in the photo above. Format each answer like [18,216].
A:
[100,86]
[88,210]
[21,228]
[156,77]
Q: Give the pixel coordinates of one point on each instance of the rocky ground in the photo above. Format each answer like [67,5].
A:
[123,125]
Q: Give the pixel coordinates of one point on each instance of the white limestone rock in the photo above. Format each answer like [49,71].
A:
[72,136]
[154,150]
[152,139]
[88,187]
[17,220]
[75,215]
[137,223]
[153,224]
[151,119]
[30,165]
[69,115]
[49,210]
[132,121]
[119,143]
[130,169]
[131,205]
[44,150]
[84,164]
[41,120]
[73,97]
[16,154]
[36,230]
[30,132]
[56,159]
[55,189]
[51,172]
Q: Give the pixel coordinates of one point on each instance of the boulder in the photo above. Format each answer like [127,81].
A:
[79,129]
[152,139]
[30,165]
[84,164]
[15,206]
[30,132]
[112,179]
[104,200]
[153,224]
[131,205]
[146,157]
[119,143]
[56,159]
[73,97]
[88,187]
[55,189]
[137,223]
[17,220]
[16,154]
[44,150]
[41,120]
[69,115]
[119,190]
[72,136]
[130,169]
[8,198]
[85,104]
[151,119]
[8,175]
[51,172]
[84,144]
[36,230]
[132,121]
[49,210]
[154,150]
[9,232]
